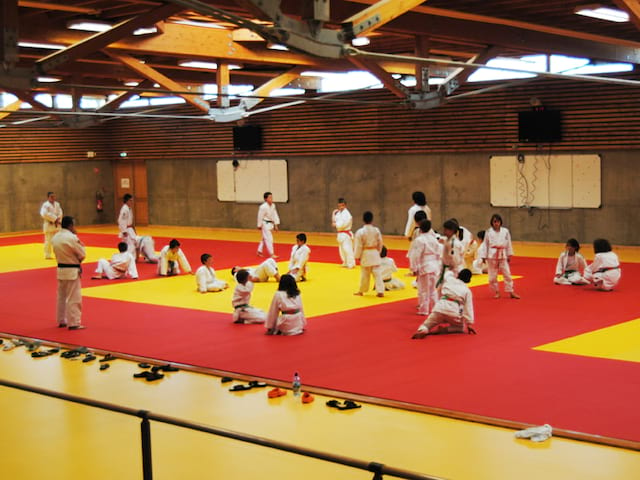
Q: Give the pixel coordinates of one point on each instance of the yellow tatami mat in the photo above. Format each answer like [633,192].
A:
[619,342]
[57,440]
[29,256]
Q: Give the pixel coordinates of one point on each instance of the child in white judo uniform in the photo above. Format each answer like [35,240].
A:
[419,205]
[243,312]
[368,247]
[387,269]
[453,313]
[261,273]
[206,276]
[604,272]
[497,251]
[172,259]
[478,266]
[121,265]
[425,263]
[299,257]
[268,221]
[571,265]
[286,315]
[145,247]
[342,220]
[452,253]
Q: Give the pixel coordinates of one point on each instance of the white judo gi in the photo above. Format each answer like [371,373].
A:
[261,273]
[425,262]
[145,246]
[286,315]
[122,265]
[298,262]
[452,256]
[268,219]
[70,253]
[604,272]
[177,259]
[454,307]
[125,225]
[569,269]
[342,220]
[368,247]
[387,269]
[206,280]
[411,223]
[51,214]
[243,312]
[496,250]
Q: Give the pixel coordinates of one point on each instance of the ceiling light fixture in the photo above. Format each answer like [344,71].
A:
[199,24]
[89,25]
[48,79]
[360,42]
[46,46]
[205,65]
[602,13]
[277,46]
[145,31]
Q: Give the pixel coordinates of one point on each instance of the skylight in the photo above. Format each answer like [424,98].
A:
[603,13]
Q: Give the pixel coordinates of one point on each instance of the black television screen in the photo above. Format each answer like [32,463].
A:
[247,137]
[540,126]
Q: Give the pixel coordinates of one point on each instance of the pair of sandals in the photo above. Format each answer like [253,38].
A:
[347,405]
[44,353]
[149,376]
[248,386]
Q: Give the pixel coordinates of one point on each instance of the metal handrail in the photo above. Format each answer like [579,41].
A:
[378,469]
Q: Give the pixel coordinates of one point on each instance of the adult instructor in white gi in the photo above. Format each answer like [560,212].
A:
[51,213]
[70,253]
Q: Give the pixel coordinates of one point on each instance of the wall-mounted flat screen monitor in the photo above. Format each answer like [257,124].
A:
[540,126]
[247,138]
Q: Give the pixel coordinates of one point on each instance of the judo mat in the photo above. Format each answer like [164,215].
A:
[560,355]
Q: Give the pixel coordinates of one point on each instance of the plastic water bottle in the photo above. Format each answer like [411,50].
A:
[296,385]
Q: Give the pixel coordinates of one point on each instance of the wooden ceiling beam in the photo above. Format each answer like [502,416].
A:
[517,35]
[115,103]
[632,7]
[378,14]
[155,76]
[102,39]
[265,89]
[9,109]
[393,85]
[57,7]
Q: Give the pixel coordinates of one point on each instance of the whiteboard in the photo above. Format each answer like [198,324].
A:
[545,181]
[251,179]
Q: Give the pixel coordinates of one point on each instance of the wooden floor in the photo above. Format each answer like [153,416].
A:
[50,438]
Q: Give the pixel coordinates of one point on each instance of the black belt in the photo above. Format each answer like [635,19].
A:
[70,265]
[241,306]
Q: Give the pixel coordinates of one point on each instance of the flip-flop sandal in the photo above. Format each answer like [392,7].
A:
[88,358]
[144,365]
[104,366]
[140,374]
[107,358]
[257,384]
[307,397]
[276,392]
[153,376]
[240,388]
[334,404]
[349,405]
[226,380]
[169,368]
[40,354]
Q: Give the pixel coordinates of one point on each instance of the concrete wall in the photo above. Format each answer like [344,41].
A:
[24,187]
[183,192]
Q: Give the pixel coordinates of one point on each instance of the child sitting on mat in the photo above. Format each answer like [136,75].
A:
[243,312]
[206,276]
[453,312]
[172,259]
[571,265]
[604,271]
[122,265]
[286,316]
[387,269]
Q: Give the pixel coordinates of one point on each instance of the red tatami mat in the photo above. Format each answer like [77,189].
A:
[369,351]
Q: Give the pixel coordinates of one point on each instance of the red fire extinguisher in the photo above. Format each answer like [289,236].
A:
[99,200]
